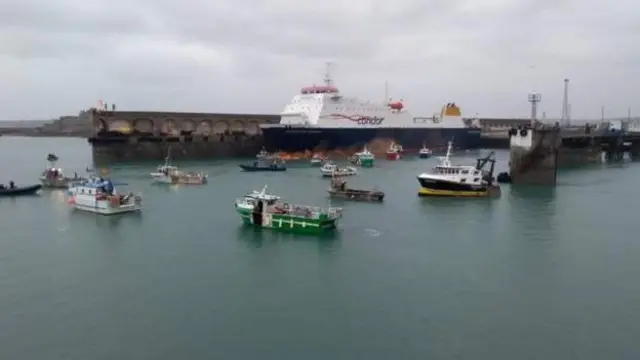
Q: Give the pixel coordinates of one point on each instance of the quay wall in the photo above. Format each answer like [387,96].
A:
[129,136]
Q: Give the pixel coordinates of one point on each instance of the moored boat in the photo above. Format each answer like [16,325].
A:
[339,189]
[425,152]
[52,177]
[394,152]
[364,158]
[265,165]
[269,211]
[450,180]
[169,174]
[317,160]
[100,197]
[13,190]
[330,169]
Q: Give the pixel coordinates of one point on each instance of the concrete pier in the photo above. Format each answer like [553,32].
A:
[537,153]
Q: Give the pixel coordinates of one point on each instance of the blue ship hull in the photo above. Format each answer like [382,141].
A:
[295,139]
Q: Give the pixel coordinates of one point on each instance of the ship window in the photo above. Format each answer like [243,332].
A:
[82,191]
[465,171]
[476,180]
[463,180]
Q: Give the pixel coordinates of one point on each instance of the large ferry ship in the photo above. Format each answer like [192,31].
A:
[321,118]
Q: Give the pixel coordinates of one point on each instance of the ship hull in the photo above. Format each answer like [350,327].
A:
[295,139]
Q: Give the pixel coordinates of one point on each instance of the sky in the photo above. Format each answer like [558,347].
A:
[250,56]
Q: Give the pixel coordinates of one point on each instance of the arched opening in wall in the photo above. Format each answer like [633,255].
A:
[120,126]
[101,126]
[187,127]
[237,127]
[220,127]
[252,128]
[143,126]
[204,128]
[169,128]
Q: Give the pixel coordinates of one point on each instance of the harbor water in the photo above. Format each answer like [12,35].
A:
[539,273]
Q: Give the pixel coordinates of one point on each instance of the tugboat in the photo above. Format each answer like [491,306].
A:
[446,179]
[425,152]
[394,152]
[268,211]
[331,170]
[364,158]
[53,178]
[265,164]
[168,174]
[339,189]
[99,196]
[318,160]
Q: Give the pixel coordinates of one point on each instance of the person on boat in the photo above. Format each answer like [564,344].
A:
[12,185]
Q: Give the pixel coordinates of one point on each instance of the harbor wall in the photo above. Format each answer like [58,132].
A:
[533,156]
[129,136]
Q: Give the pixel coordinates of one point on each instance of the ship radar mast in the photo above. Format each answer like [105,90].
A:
[327,88]
[328,81]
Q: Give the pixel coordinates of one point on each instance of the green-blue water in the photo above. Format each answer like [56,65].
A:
[536,274]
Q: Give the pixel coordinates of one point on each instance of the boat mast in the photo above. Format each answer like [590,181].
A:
[327,74]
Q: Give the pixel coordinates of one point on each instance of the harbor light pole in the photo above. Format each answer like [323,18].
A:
[534,99]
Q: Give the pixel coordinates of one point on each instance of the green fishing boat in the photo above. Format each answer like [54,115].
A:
[364,158]
[269,211]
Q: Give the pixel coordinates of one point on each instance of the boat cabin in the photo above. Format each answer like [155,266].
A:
[462,174]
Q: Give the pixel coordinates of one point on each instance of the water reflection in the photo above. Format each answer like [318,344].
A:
[106,221]
[257,237]
[532,210]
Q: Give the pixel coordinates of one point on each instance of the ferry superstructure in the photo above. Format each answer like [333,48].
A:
[321,118]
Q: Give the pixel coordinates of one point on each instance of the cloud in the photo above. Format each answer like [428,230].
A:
[252,56]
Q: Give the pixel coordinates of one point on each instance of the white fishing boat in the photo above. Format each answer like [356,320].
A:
[53,177]
[100,197]
[317,160]
[331,170]
[169,174]
[425,152]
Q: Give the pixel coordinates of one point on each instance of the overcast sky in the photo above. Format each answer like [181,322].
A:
[251,56]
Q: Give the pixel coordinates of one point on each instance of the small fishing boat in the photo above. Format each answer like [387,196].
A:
[265,165]
[425,152]
[339,189]
[168,174]
[331,170]
[269,211]
[394,152]
[53,178]
[364,158]
[100,197]
[318,160]
[13,190]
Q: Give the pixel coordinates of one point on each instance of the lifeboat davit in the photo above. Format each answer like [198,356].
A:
[396,105]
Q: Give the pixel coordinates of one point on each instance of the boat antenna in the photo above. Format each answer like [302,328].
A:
[264,190]
[327,74]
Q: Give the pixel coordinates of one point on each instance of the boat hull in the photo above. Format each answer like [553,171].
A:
[108,211]
[424,156]
[357,195]
[252,168]
[296,139]
[20,191]
[288,223]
